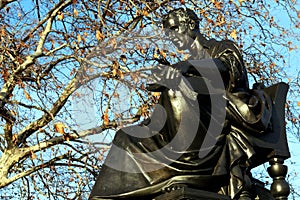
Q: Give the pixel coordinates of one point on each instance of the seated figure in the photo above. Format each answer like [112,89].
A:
[179,146]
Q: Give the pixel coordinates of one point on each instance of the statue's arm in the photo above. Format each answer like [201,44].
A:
[230,55]
[251,110]
[188,69]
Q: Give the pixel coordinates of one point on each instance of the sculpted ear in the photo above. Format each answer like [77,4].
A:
[192,24]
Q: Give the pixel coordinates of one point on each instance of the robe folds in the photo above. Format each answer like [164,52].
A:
[174,150]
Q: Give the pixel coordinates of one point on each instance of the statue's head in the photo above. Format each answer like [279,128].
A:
[182,26]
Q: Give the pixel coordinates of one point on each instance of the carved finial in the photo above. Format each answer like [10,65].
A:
[280,189]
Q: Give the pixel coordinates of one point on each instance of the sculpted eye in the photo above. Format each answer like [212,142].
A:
[174,28]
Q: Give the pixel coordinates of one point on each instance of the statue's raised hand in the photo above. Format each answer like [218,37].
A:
[164,77]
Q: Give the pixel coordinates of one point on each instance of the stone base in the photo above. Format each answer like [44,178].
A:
[186,193]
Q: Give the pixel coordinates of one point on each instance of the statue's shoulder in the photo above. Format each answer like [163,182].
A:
[218,48]
[214,42]
[228,44]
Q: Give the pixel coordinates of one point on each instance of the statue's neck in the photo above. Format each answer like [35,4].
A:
[198,48]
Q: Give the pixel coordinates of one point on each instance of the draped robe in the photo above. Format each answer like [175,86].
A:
[150,164]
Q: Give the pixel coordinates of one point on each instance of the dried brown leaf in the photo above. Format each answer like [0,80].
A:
[59,127]
[60,16]
[27,96]
[75,12]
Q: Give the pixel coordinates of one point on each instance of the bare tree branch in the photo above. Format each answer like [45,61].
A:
[8,87]
[4,3]
[31,170]
[47,117]
[72,136]
[50,48]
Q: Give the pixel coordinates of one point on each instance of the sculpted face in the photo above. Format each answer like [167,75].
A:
[180,30]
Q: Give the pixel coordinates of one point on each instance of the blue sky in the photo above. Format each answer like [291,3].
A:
[292,71]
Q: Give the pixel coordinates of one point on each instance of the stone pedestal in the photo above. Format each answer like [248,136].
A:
[186,193]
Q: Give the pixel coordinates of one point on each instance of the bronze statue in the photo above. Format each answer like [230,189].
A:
[244,140]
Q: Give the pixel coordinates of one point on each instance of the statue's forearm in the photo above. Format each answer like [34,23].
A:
[188,67]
